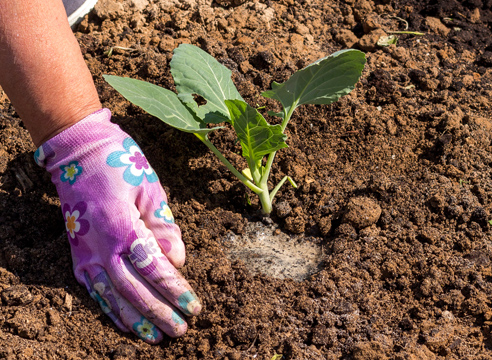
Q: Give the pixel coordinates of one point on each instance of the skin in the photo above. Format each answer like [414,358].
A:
[43,71]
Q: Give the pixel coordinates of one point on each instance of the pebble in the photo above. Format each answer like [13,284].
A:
[436,26]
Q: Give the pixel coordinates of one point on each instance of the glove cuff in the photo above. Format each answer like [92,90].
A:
[85,133]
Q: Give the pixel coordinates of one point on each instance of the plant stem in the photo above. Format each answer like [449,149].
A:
[406,32]
[265,200]
[279,185]
[271,157]
[257,190]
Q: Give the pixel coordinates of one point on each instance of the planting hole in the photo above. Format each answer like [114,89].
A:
[281,256]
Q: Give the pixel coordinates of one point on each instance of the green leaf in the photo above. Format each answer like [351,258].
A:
[258,138]
[160,102]
[322,82]
[196,72]
[387,40]
[277,114]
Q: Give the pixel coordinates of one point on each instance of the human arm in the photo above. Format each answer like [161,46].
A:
[125,245]
[42,69]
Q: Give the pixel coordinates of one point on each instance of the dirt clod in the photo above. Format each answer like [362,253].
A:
[362,212]
[16,295]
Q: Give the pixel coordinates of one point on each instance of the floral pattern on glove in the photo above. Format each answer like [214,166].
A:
[135,162]
[102,294]
[42,153]
[75,225]
[70,172]
[177,318]
[145,329]
[143,252]
[189,303]
[164,212]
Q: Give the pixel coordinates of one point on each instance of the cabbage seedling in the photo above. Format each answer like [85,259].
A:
[195,72]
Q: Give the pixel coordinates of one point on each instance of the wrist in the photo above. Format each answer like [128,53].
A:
[48,126]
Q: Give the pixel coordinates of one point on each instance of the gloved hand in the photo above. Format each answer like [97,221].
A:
[125,244]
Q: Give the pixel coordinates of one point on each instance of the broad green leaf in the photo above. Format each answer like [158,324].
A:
[160,102]
[196,72]
[322,82]
[258,138]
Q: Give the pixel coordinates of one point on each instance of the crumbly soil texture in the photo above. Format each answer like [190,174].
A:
[395,188]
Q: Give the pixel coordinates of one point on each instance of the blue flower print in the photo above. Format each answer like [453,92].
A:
[42,154]
[70,172]
[135,162]
[39,156]
[188,302]
[145,329]
[177,318]
[164,212]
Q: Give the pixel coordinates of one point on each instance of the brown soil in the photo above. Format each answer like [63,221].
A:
[395,183]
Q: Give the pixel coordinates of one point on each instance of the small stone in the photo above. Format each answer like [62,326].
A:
[68,302]
[436,26]
[302,29]
[362,212]
[244,40]
[108,9]
[17,295]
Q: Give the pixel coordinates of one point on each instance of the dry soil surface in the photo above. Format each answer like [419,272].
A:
[395,188]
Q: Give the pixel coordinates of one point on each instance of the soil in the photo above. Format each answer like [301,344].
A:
[395,188]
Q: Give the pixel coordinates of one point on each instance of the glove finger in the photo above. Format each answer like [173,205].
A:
[106,300]
[128,315]
[158,271]
[147,300]
[157,216]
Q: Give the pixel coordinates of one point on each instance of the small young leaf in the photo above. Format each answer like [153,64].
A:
[277,114]
[247,172]
[322,82]
[196,72]
[160,102]
[258,138]
[387,40]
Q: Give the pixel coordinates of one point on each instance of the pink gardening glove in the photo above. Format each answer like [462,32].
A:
[125,244]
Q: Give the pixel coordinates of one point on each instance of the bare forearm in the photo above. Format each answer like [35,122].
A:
[42,69]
